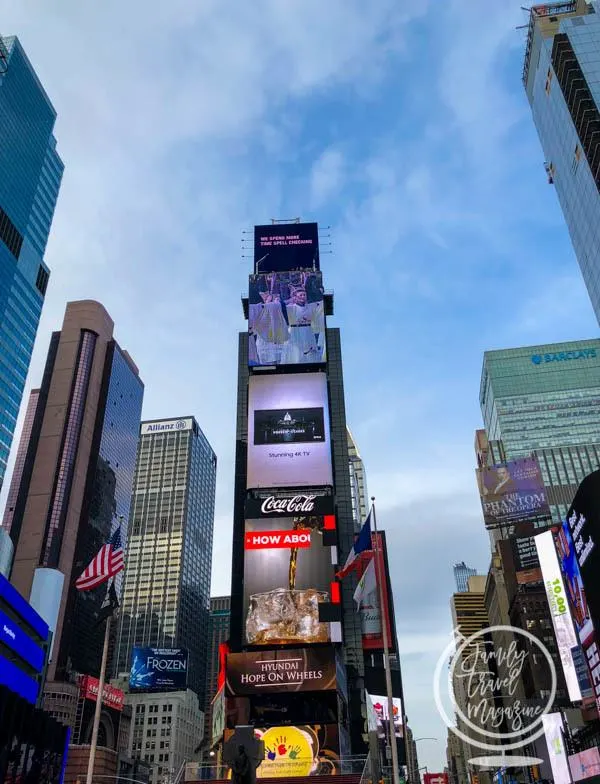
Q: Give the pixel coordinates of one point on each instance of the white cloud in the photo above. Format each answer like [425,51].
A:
[326,177]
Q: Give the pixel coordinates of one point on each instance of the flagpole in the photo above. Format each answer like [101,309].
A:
[386,652]
[94,743]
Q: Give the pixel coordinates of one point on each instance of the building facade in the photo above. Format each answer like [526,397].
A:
[358,483]
[166,730]
[219,621]
[77,474]
[166,590]
[29,185]
[561,75]
[462,572]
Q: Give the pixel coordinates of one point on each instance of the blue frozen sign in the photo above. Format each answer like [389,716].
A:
[158,669]
[564,356]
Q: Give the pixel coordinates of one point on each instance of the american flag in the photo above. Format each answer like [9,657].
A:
[107,563]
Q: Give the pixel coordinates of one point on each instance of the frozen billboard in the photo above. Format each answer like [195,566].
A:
[512,492]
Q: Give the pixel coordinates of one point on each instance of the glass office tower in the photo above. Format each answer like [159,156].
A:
[30,175]
[562,80]
[166,592]
[462,572]
[544,400]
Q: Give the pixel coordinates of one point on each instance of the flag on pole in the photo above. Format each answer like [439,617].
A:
[367,583]
[107,563]
[109,605]
[361,545]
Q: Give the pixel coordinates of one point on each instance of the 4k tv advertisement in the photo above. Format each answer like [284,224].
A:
[288,572]
[158,669]
[289,443]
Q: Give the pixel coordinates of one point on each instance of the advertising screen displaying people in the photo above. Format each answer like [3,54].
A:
[286,246]
[512,492]
[287,574]
[289,441]
[286,319]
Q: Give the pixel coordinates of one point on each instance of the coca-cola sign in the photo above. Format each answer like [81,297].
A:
[299,503]
[288,504]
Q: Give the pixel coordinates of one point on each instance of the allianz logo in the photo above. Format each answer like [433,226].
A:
[564,356]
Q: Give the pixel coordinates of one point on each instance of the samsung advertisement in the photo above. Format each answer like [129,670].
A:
[158,669]
[288,431]
[287,573]
[286,319]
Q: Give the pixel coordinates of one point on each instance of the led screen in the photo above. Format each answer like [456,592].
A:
[286,319]
[287,574]
[298,751]
[381,713]
[275,671]
[288,431]
[158,669]
[287,246]
[512,492]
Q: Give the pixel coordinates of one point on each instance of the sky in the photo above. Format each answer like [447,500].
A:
[402,126]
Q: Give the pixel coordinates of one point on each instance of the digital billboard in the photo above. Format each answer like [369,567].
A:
[286,246]
[553,730]
[287,573]
[512,492]
[295,751]
[379,705]
[111,697]
[286,319]
[585,764]
[279,503]
[288,670]
[158,669]
[562,622]
[289,442]
[578,603]
[526,561]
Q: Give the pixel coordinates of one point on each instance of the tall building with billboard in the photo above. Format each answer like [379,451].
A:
[293,518]
[219,621]
[77,475]
[166,590]
[560,75]
[31,175]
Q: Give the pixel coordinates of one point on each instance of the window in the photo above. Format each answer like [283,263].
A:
[9,234]
[576,158]
[42,280]
[549,77]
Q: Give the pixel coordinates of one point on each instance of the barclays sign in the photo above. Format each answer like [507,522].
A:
[564,356]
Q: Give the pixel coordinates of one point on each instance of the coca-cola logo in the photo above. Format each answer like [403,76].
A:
[297,503]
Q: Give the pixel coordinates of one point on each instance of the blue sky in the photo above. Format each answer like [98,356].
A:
[404,127]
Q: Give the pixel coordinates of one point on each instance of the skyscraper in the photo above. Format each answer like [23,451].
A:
[462,572]
[560,75]
[358,483]
[219,621]
[166,590]
[77,473]
[542,400]
[31,171]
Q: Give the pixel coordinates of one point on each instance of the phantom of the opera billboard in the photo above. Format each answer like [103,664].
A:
[288,572]
[286,319]
[289,442]
[512,492]
[285,247]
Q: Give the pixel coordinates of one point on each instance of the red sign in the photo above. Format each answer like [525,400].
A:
[111,697]
[435,778]
[271,540]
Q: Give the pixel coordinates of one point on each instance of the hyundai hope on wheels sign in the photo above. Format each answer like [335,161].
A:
[158,669]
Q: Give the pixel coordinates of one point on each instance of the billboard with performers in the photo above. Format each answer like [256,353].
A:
[158,669]
[370,609]
[512,492]
[289,442]
[379,709]
[286,319]
[286,246]
[288,572]
[288,670]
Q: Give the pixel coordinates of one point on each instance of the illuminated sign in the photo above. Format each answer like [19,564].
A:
[553,730]
[559,610]
[158,669]
[16,680]
[289,670]
[563,356]
[282,504]
[111,697]
[168,425]
[15,638]
[286,246]
[16,602]
[274,539]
